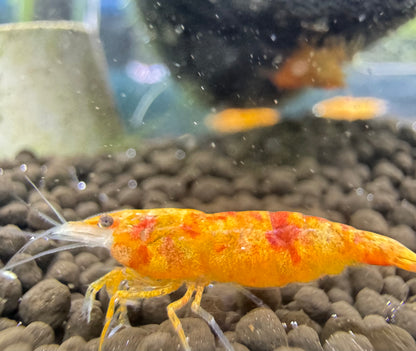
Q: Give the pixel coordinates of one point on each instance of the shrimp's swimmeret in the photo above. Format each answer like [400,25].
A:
[161,249]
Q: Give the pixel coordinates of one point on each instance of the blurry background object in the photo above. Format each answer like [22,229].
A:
[350,108]
[386,70]
[148,99]
[171,63]
[230,52]
[233,120]
[54,93]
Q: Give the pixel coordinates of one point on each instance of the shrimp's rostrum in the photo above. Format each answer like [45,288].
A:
[161,249]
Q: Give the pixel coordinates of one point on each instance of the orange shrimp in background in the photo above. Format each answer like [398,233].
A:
[350,108]
[161,249]
[309,66]
[234,120]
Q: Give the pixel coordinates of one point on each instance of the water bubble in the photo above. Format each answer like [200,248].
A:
[362,17]
[23,167]
[180,154]
[81,185]
[179,29]
[370,197]
[359,191]
[132,184]
[42,182]
[131,153]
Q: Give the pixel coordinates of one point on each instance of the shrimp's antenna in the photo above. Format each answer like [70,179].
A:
[60,217]
[11,265]
[30,242]
[42,215]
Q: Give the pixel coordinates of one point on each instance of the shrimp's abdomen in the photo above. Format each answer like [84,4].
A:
[277,248]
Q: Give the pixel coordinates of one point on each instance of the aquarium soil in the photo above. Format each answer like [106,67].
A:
[360,173]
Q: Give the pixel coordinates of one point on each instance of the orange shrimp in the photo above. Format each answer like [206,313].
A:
[234,120]
[350,108]
[161,249]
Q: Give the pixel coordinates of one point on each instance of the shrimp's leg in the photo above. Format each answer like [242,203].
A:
[176,305]
[135,292]
[111,280]
[247,293]
[207,317]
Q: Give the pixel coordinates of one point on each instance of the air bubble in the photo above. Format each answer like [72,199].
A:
[359,191]
[131,153]
[132,184]
[180,154]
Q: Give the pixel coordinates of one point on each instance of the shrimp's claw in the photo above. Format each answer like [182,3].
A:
[124,284]
[111,281]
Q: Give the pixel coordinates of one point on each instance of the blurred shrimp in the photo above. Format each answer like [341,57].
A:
[350,108]
[234,120]
[312,67]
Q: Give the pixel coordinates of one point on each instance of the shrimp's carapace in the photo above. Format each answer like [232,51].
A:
[350,108]
[234,120]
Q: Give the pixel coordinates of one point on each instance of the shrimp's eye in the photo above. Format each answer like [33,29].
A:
[105,221]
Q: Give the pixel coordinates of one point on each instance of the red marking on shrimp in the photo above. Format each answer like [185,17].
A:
[141,257]
[279,219]
[284,238]
[256,215]
[220,248]
[189,230]
[143,229]
[283,235]
[224,215]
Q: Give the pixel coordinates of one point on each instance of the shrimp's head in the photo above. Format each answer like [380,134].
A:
[91,232]
[127,233]
[143,240]
[100,230]
[96,231]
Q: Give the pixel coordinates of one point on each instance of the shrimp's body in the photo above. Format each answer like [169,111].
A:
[161,249]
[251,248]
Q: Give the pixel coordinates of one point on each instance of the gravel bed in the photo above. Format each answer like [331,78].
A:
[360,173]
